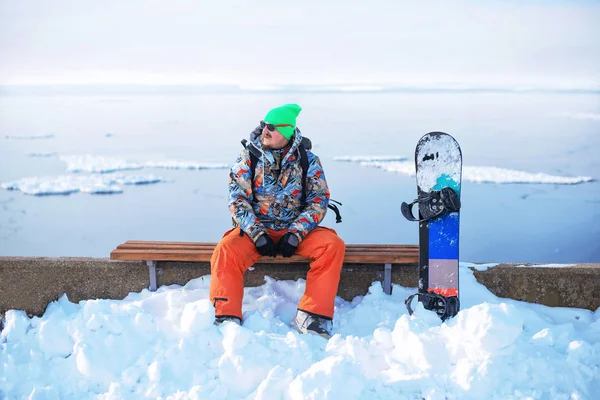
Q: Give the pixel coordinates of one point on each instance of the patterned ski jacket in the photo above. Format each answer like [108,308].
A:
[273,199]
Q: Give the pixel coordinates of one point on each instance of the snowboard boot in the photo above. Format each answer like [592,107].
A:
[305,322]
[220,320]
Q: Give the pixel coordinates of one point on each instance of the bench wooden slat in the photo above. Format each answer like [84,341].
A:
[408,255]
[211,246]
[381,255]
[200,244]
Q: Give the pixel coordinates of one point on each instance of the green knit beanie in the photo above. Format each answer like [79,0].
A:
[285,114]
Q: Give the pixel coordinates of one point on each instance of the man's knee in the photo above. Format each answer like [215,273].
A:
[228,246]
[338,243]
[326,246]
[333,241]
[234,249]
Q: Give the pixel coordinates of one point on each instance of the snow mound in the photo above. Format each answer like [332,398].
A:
[163,345]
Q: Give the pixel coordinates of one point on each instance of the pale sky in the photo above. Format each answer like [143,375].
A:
[254,42]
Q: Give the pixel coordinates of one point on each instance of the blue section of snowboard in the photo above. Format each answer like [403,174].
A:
[443,237]
[443,232]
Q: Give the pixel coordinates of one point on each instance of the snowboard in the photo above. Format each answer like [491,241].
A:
[438,163]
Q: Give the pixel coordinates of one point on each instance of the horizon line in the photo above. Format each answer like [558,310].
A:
[307,88]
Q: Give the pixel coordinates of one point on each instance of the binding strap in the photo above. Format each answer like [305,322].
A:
[432,205]
[444,307]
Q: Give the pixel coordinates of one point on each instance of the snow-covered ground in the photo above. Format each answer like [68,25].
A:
[164,345]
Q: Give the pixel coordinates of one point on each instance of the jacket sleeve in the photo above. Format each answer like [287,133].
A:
[240,197]
[317,199]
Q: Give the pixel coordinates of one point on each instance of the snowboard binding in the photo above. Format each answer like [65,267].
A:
[432,205]
[444,307]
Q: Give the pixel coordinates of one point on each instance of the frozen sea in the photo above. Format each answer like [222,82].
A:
[82,172]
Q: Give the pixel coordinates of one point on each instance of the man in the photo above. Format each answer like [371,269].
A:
[271,219]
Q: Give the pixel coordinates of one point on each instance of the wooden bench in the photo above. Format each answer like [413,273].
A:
[153,252]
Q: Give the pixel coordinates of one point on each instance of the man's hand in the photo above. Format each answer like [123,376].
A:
[266,246]
[288,244]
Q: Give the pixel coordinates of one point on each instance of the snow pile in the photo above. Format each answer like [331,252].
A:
[164,345]
[476,174]
[100,164]
[484,267]
[67,184]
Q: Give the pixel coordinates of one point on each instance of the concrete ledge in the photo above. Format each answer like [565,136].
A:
[569,286]
[30,283]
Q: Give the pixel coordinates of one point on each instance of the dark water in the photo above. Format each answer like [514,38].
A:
[558,134]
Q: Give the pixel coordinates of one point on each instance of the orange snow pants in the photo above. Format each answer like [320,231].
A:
[235,254]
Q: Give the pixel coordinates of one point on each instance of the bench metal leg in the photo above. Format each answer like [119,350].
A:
[387,279]
[153,281]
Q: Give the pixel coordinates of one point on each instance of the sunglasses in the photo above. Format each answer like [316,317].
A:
[272,127]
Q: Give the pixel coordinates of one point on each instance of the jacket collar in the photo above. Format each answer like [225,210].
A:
[257,149]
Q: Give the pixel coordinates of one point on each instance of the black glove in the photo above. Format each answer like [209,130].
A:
[266,246]
[288,244]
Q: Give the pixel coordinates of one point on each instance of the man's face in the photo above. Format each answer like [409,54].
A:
[272,140]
